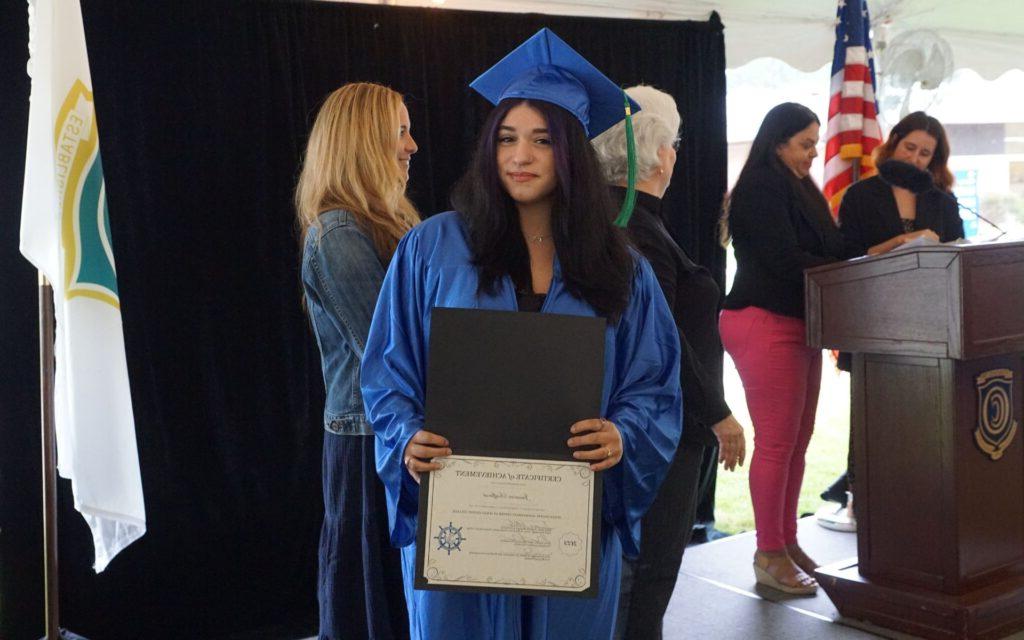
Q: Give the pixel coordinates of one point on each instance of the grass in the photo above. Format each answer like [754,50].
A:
[826,456]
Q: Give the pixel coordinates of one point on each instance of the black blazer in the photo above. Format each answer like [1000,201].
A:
[776,235]
[694,297]
[868,214]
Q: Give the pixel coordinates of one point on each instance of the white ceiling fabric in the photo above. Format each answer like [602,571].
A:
[986,35]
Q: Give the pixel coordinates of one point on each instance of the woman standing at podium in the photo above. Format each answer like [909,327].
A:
[911,196]
[780,224]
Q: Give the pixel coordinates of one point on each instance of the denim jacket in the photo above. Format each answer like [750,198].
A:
[341,278]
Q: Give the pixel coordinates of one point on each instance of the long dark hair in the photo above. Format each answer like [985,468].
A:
[780,124]
[921,121]
[595,261]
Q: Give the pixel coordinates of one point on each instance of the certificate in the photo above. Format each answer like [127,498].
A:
[513,511]
[502,524]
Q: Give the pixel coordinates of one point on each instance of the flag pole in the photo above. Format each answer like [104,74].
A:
[49,450]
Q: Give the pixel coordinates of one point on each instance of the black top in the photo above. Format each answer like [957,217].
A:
[693,297]
[776,235]
[868,214]
[530,302]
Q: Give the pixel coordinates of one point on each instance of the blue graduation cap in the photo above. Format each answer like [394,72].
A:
[546,68]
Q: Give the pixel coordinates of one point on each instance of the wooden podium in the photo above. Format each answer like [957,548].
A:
[938,340]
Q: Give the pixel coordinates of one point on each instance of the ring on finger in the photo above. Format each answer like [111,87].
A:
[607,452]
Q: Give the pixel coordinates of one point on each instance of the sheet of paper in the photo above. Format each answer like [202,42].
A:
[500,523]
[918,242]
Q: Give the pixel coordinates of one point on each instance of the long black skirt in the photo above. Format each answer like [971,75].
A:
[360,585]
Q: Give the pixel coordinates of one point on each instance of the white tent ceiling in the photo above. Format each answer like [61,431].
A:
[986,35]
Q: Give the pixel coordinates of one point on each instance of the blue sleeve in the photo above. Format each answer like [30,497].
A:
[394,383]
[349,275]
[645,404]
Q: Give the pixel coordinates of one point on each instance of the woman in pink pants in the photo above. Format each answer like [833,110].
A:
[780,224]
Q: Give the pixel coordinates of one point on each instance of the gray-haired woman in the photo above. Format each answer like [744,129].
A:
[693,296]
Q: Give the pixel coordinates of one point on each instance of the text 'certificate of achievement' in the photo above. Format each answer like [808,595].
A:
[504,523]
[512,511]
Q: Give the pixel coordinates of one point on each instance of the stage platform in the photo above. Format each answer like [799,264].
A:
[716,597]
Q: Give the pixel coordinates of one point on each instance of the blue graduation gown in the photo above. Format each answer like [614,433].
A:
[641,395]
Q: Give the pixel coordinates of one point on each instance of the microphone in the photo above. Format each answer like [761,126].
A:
[907,176]
[976,215]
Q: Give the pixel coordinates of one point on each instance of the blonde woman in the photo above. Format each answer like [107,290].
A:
[352,209]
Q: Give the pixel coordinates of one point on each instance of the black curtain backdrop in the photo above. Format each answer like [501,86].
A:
[203,108]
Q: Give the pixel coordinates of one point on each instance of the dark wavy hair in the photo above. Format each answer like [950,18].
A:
[781,123]
[921,121]
[595,262]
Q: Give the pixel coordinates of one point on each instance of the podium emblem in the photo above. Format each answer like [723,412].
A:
[996,426]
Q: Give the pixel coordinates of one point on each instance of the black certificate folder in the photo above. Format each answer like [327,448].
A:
[504,388]
[510,382]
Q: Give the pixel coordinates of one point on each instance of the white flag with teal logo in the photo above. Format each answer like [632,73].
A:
[65,233]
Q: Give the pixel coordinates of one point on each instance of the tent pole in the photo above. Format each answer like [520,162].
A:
[49,450]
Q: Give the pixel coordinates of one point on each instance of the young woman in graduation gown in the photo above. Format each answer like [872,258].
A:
[532,232]
[353,211]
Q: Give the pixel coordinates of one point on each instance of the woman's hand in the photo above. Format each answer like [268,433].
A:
[732,446]
[900,240]
[928,234]
[601,434]
[423,446]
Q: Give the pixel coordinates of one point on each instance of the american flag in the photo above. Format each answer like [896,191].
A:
[853,131]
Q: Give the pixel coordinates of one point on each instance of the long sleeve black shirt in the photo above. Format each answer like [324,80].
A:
[694,298]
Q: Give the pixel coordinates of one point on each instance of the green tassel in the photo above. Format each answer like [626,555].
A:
[627,205]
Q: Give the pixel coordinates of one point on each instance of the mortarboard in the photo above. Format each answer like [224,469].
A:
[546,68]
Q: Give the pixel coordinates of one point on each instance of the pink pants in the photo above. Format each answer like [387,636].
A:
[781,376]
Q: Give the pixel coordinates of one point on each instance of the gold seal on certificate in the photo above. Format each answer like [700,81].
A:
[498,524]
